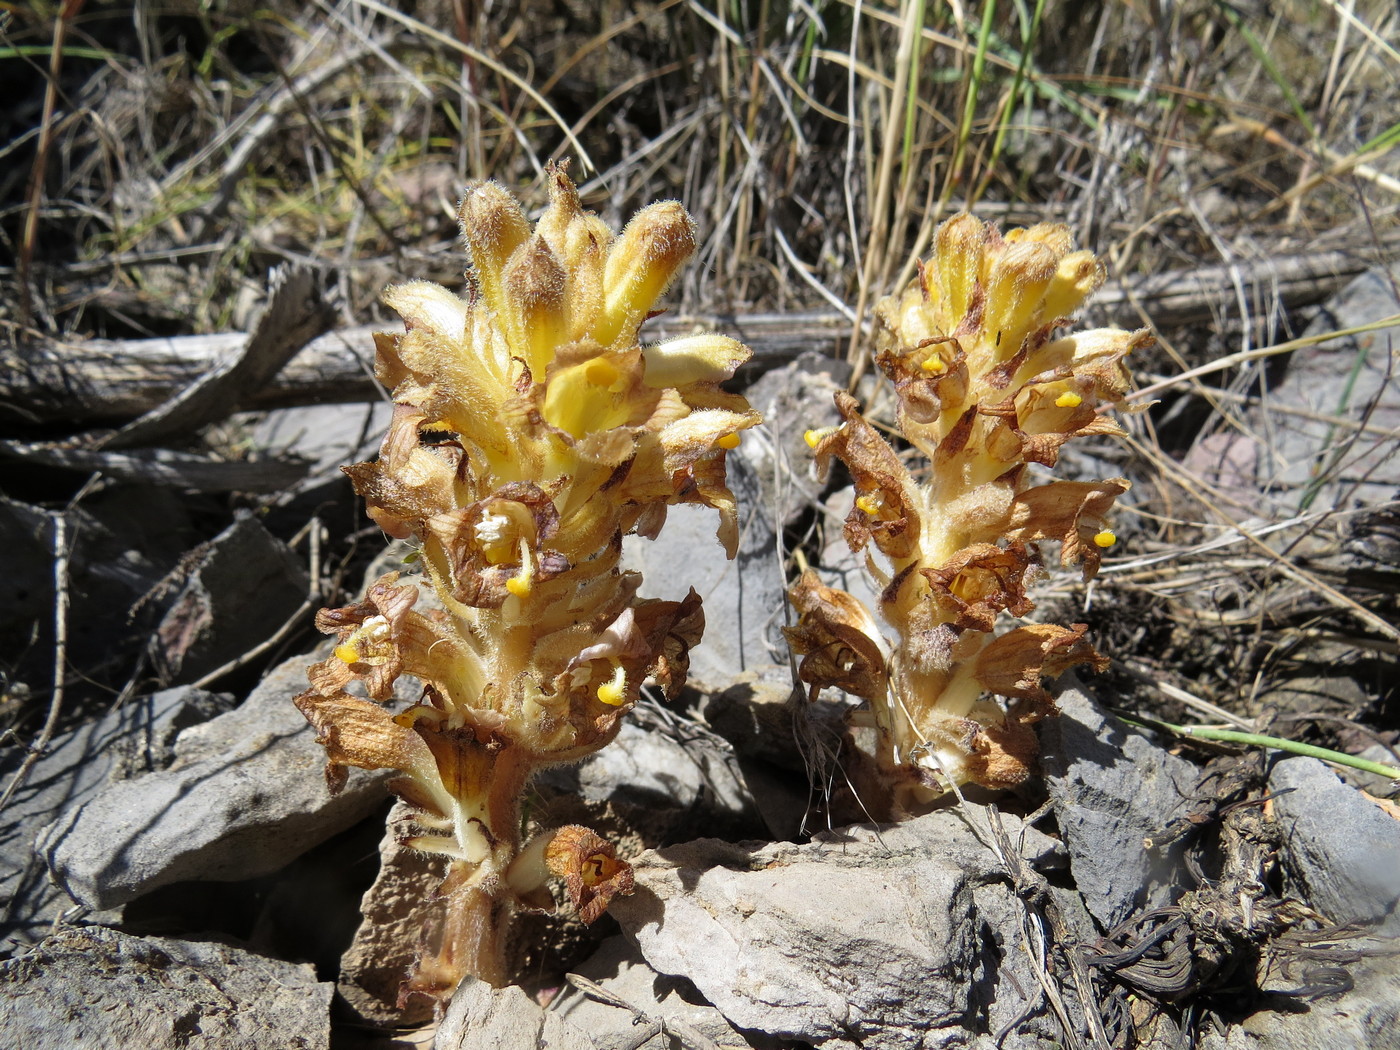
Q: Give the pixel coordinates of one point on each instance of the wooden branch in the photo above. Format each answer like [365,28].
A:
[102,382]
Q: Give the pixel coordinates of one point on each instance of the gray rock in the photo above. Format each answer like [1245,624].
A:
[327,435]
[743,598]
[1342,848]
[663,777]
[1338,378]
[631,1000]
[792,400]
[842,567]
[245,584]
[1365,1018]
[784,743]
[484,1018]
[123,540]
[98,989]
[903,937]
[1110,787]
[244,795]
[79,765]
[761,716]
[386,943]
[1374,783]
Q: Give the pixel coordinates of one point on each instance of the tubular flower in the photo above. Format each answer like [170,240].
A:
[531,432]
[986,386]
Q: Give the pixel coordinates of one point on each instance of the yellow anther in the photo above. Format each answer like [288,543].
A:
[1105,539]
[729,441]
[614,691]
[523,582]
[935,364]
[816,437]
[1069,399]
[371,643]
[871,504]
[412,715]
[600,372]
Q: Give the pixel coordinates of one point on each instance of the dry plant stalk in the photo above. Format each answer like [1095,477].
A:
[985,388]
[530,434]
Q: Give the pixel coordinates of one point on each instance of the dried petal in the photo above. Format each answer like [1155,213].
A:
[837,638]
[592,873]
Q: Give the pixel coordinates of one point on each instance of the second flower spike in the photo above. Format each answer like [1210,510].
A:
[987,385]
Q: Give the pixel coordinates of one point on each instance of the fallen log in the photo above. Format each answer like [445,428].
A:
[97,382]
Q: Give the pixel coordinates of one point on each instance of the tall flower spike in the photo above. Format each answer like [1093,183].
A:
[986,385]
[531,433]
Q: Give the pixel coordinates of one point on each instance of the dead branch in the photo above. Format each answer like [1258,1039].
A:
[97,381]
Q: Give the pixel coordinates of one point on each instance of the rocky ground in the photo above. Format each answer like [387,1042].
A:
[176,875]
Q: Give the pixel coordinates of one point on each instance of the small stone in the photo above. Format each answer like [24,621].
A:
[93,988]
[1308,461]
[1342,848]
[484,1018]
[783,741]
[743,598]
[243,583]
[662,778]
[759,713]
[327,435]
[842,567]
[1366,1017]
[130,741]
[636,1000]
[244,796]
[386,944]
[1111,787]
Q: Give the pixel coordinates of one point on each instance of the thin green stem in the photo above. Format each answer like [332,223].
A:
[1235,736]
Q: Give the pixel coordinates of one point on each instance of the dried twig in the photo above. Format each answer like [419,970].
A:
[60,653]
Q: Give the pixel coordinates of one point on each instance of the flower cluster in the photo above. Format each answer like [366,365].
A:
[531,432]
[986,387]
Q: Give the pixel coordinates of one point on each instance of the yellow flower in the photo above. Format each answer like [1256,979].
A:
[986,386]
[531,433]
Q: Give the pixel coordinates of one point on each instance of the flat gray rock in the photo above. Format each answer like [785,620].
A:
[484,1018]
[629,1006]
[239,587]
[893,938]
[92,988]
[744,598]
[127,742]
[327,435]
[1341,846]
[662,778]
[1367,1017]
[244,796]
[1111,787]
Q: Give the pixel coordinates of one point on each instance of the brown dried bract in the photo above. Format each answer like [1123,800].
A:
[592,873]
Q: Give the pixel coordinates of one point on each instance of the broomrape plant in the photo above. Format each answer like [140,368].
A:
[530,434]
[985,387]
